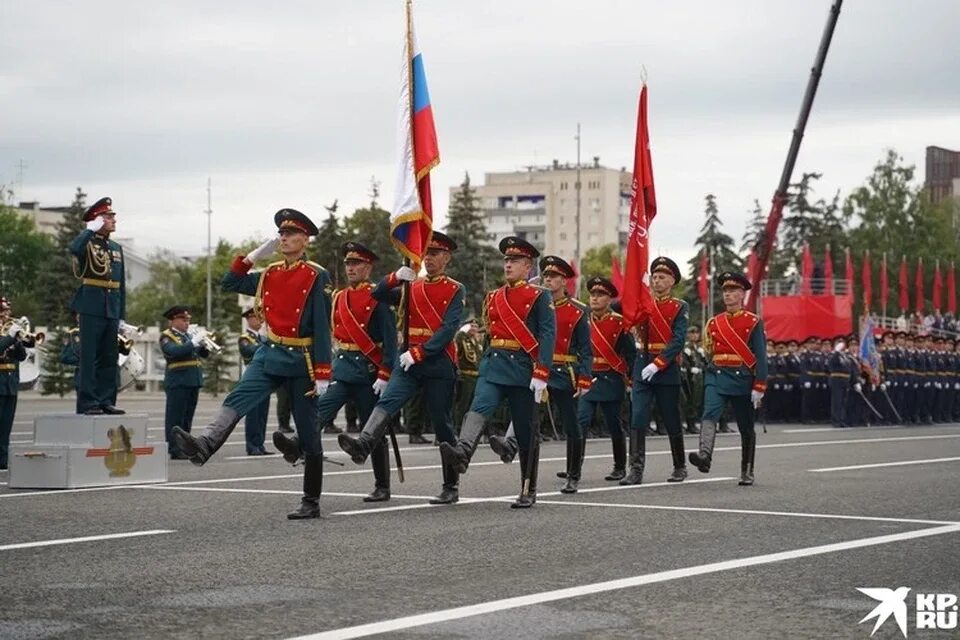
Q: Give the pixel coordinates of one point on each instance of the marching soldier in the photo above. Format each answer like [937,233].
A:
[101,302]
[692,368]
[255,422]
[522,327]
[569,375]
[12,353]
[293,295]
[469,350]
[656,374]
[366,341]
[434,310]
[614,351]
[737,375]
[183,377]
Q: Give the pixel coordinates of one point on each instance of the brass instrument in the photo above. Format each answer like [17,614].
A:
[27,338]
[206,339]
[126,334]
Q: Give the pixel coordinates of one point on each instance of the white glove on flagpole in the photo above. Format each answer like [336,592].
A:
[96,224]
[538,387]
[264,249]
[405,273]
[406,360]
[379,385]
[857,387]
[320,387]
[756,397]
[648,372]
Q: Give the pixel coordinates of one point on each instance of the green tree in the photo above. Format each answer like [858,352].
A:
[23,253]
[475,263]
[325,249]
[371,226]
[56,278]
[717,244]
[817,223]
[755,228]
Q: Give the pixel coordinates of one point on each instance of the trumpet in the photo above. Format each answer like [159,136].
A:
[129,331]
[27,338]
[206,339]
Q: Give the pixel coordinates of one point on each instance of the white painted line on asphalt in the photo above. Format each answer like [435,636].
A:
[57,492]
[107,536]
[338,494]
[749,512]
[877,427]
[513,496]
[457,613]
[902,463]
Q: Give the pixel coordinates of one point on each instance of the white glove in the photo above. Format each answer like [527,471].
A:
[320,387]
[883,385]
[806,385]
[756,397]
[197,338]
[406,360]
[957,386]
[14,330]
[926,385]
[265,249]
[96,224]
[379,385]
[936,384]
[695,370]
[648,372]
[857,387]
[405,273]
[538,387]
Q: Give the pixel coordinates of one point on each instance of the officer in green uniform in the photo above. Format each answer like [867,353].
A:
[183,376]
[516,366]
[692,369]
[101,303]
[737,374]
[255,422]
[294,295]
[415,418]
[12,353]
[469,350]
[365,335]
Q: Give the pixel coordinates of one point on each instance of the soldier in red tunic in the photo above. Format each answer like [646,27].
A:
[614,351]
[293,295]
[434,310]
[656,374]
[737,374]
[522,327]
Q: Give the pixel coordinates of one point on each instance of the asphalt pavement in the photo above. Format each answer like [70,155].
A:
[210,553]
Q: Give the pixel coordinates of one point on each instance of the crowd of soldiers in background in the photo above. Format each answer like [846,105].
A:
[824,380]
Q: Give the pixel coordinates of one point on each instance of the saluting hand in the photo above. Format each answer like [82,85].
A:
[406,274]
[264,249]
[96,224]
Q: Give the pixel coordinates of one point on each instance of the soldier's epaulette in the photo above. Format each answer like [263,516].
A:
[456,282]
[615,315]
[318,267]
[579,305]
[278,263]
[248,338]
[169,334]
[73,330]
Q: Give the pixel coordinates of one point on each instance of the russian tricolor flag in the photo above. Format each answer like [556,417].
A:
[411,223]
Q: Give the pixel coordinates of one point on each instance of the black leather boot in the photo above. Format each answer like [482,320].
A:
[450,493]
[704,456]
[748,447]
[574,461]
[619,458]
[359,448]
[505,446]
[692,427]
[679,459]
[638,457]
[288,445]
[200,448]
[380,461]
[312,487]
[458,455]
[527,498]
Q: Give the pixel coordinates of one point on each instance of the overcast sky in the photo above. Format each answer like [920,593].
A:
[293,103]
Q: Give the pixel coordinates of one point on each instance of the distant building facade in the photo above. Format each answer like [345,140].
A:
[942,173]
[539,204]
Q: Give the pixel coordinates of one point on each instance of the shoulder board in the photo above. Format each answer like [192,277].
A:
[246,337]
[455,282]
[168,333]
[579,305]
[615,315]
[318,267]
[278,263]
[750,314]
[73,330]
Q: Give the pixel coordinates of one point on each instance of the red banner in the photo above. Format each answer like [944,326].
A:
[952,291]
[884,285]
[616,275]
[937,288]
[904,286]
[867,282]
[918,285]
[635,298]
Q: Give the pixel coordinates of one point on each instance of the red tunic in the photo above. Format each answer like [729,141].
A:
[661,333]
[435,294]
[505,331]
[361,305]
[568,315]
[606,330]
